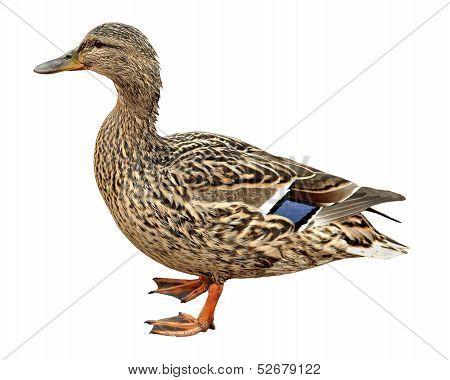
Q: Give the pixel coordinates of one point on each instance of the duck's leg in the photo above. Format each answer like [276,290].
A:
[187,325]
[184,290]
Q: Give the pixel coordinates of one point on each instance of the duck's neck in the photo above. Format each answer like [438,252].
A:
[139,94]
[135,114]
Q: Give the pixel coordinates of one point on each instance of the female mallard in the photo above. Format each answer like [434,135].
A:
[210,205]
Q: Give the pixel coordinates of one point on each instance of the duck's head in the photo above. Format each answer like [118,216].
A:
[117,51]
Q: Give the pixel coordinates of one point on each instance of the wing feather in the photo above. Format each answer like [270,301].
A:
[361,200]
[217,168]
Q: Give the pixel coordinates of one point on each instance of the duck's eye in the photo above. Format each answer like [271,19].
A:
[98,44]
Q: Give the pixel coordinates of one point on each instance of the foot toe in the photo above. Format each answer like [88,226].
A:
[184,290]
[180,325]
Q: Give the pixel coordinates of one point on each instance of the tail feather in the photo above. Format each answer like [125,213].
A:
[370,209]
[364,240]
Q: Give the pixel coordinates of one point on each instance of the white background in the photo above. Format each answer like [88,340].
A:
[249,69]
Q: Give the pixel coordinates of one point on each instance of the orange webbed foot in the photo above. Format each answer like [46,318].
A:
[181,325]
[187,325]
[184,290]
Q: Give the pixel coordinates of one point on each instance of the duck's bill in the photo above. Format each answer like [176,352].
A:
[67,62]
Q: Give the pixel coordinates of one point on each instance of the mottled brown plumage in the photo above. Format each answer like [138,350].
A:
[192,201]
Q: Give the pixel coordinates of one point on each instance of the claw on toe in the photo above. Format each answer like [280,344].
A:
[184,290]
[181,325]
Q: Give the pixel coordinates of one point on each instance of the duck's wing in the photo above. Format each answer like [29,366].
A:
[221,169]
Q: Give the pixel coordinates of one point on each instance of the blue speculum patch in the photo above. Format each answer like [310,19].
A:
[298,213]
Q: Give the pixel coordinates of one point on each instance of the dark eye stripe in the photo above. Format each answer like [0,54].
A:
[97,44]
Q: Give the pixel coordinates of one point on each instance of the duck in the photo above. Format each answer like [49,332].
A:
[209,205]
